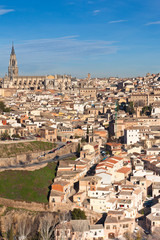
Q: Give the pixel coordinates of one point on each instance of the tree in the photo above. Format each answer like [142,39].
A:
[83,140]
[79,148]
[64,217]
[10,234]
[78,214]
[5,136]
[129,108]
[24,227]
[3,108]
[46,227]
[8,224]
[139,235]
[128,235]
[92,133]
[15,136]
[147,110]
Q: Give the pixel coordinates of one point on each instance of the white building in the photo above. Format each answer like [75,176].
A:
[96,232]
[131,136]
[103,204]
[155,111]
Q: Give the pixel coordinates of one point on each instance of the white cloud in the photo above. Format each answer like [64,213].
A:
[95,12]
[5,11]
[68,46]
[40,56]
[153,23]
[117,21]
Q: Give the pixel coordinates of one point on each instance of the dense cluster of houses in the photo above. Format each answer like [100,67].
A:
[116,123]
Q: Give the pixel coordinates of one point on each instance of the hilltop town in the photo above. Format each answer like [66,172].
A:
[103,135]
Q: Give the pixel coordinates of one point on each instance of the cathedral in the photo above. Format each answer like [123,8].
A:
[14,81]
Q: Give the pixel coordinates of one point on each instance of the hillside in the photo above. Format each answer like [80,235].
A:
[27,186]
[13,149]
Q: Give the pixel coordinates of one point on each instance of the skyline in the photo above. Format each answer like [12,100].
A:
[104,38]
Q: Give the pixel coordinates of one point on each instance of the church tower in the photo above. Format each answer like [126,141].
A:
[13,68]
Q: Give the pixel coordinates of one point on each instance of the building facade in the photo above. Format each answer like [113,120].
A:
[14,81]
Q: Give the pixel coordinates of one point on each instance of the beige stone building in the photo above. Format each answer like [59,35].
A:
[7,129]
[48,134]
[15,81]
[144,99]
[116,224]
[153,219]
[88,92]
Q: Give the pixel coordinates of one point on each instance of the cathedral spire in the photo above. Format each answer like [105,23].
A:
[13,51]
[13,68]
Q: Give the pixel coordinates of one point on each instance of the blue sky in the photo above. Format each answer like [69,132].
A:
[103,37]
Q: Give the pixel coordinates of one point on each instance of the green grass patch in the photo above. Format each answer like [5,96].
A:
[26,185]
[13,149]
[69,158]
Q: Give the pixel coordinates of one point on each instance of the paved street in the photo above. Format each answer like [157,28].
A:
[38,163]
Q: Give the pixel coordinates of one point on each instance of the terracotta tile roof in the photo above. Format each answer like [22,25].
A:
[117,158]
[114,144]
[112,161]
[124,170]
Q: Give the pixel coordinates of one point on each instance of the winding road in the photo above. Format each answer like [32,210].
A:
[38,163]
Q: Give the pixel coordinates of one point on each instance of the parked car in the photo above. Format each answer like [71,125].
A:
[148,203]
[149,198]
[62,146]
[136,229]
[52,151]
[146,232]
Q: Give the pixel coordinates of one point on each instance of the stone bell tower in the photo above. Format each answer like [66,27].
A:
[13,68]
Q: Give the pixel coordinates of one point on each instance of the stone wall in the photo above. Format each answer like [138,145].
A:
[54,207]
[35,157]
[31,206]
[69,148]
[22,158]
[66,207]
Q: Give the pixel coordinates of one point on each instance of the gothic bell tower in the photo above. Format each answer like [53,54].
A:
[13,68]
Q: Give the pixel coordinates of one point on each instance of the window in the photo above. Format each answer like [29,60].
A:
[108,227]
[125,225]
